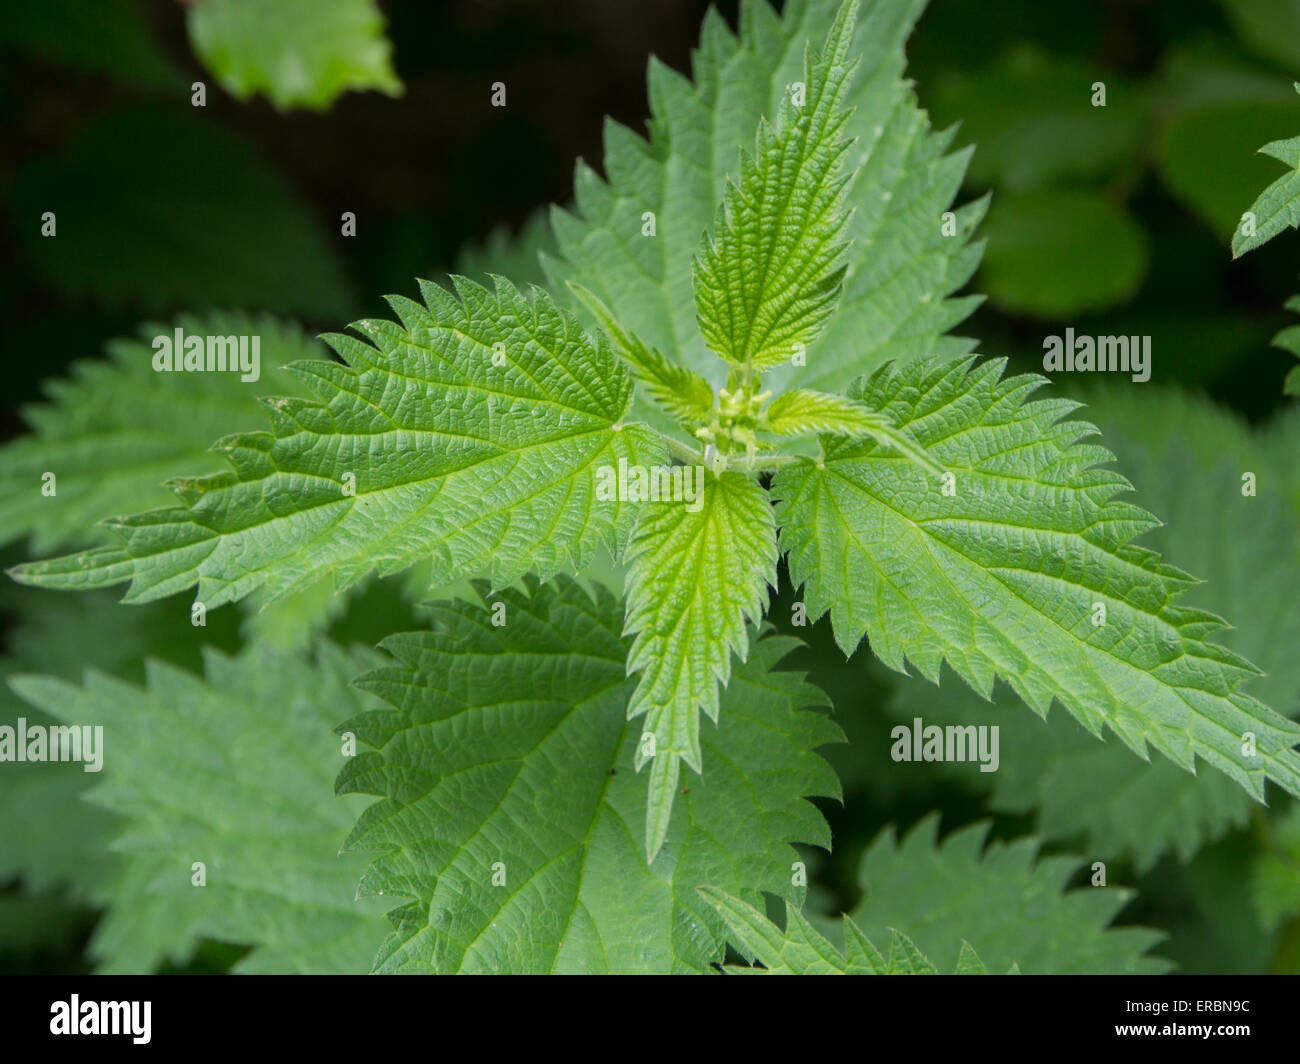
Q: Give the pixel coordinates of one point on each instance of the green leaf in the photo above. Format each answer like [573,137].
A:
[1191,152]
[474,433]
[1031,117]
[298,53]
[683,393]
[114,430]
[768,277]
[901,267]
[698,574]
[233,771]
[1247,549]
[1275,877]
[1008,903]
[1055,254]
[1289,340]
[509,744]
[999,568]
[160,206]
[1270,28]
[804,412]
[801,950]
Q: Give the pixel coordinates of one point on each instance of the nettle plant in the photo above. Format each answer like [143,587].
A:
[796,362]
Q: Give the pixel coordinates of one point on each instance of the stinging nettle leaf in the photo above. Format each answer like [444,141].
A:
[697,577]
[998,568]
[683,393]
[1002,900]
[299,53]
[114,430]
[907,254]
[1278,206]
[803,412]
[232,770]
[510,814]
[801,950]
[472,433]
[768,277]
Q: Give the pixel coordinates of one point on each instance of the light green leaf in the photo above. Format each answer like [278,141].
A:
[472,434]
[298,53]
[999,568]
[233,771]
[1000,899]
[683,393]
[114,430]
[1247,550]
[698,574]
[801,950]
[768,276]
[509,744]
[902,267]
[803,412]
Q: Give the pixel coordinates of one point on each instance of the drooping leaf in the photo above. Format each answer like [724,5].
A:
[698,575]
[232,771]
[512,819]
[1006,901]
[905,259]
[298,53]
[1002,566]
[473,434]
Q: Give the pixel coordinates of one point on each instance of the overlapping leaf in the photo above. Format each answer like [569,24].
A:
[471,434]
[1278,206]
[234,771]
[801,950]
[1008,903]
[901,266]
[1002,566]
[115,429]
[512,819]
[698,575]
[1245,547]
